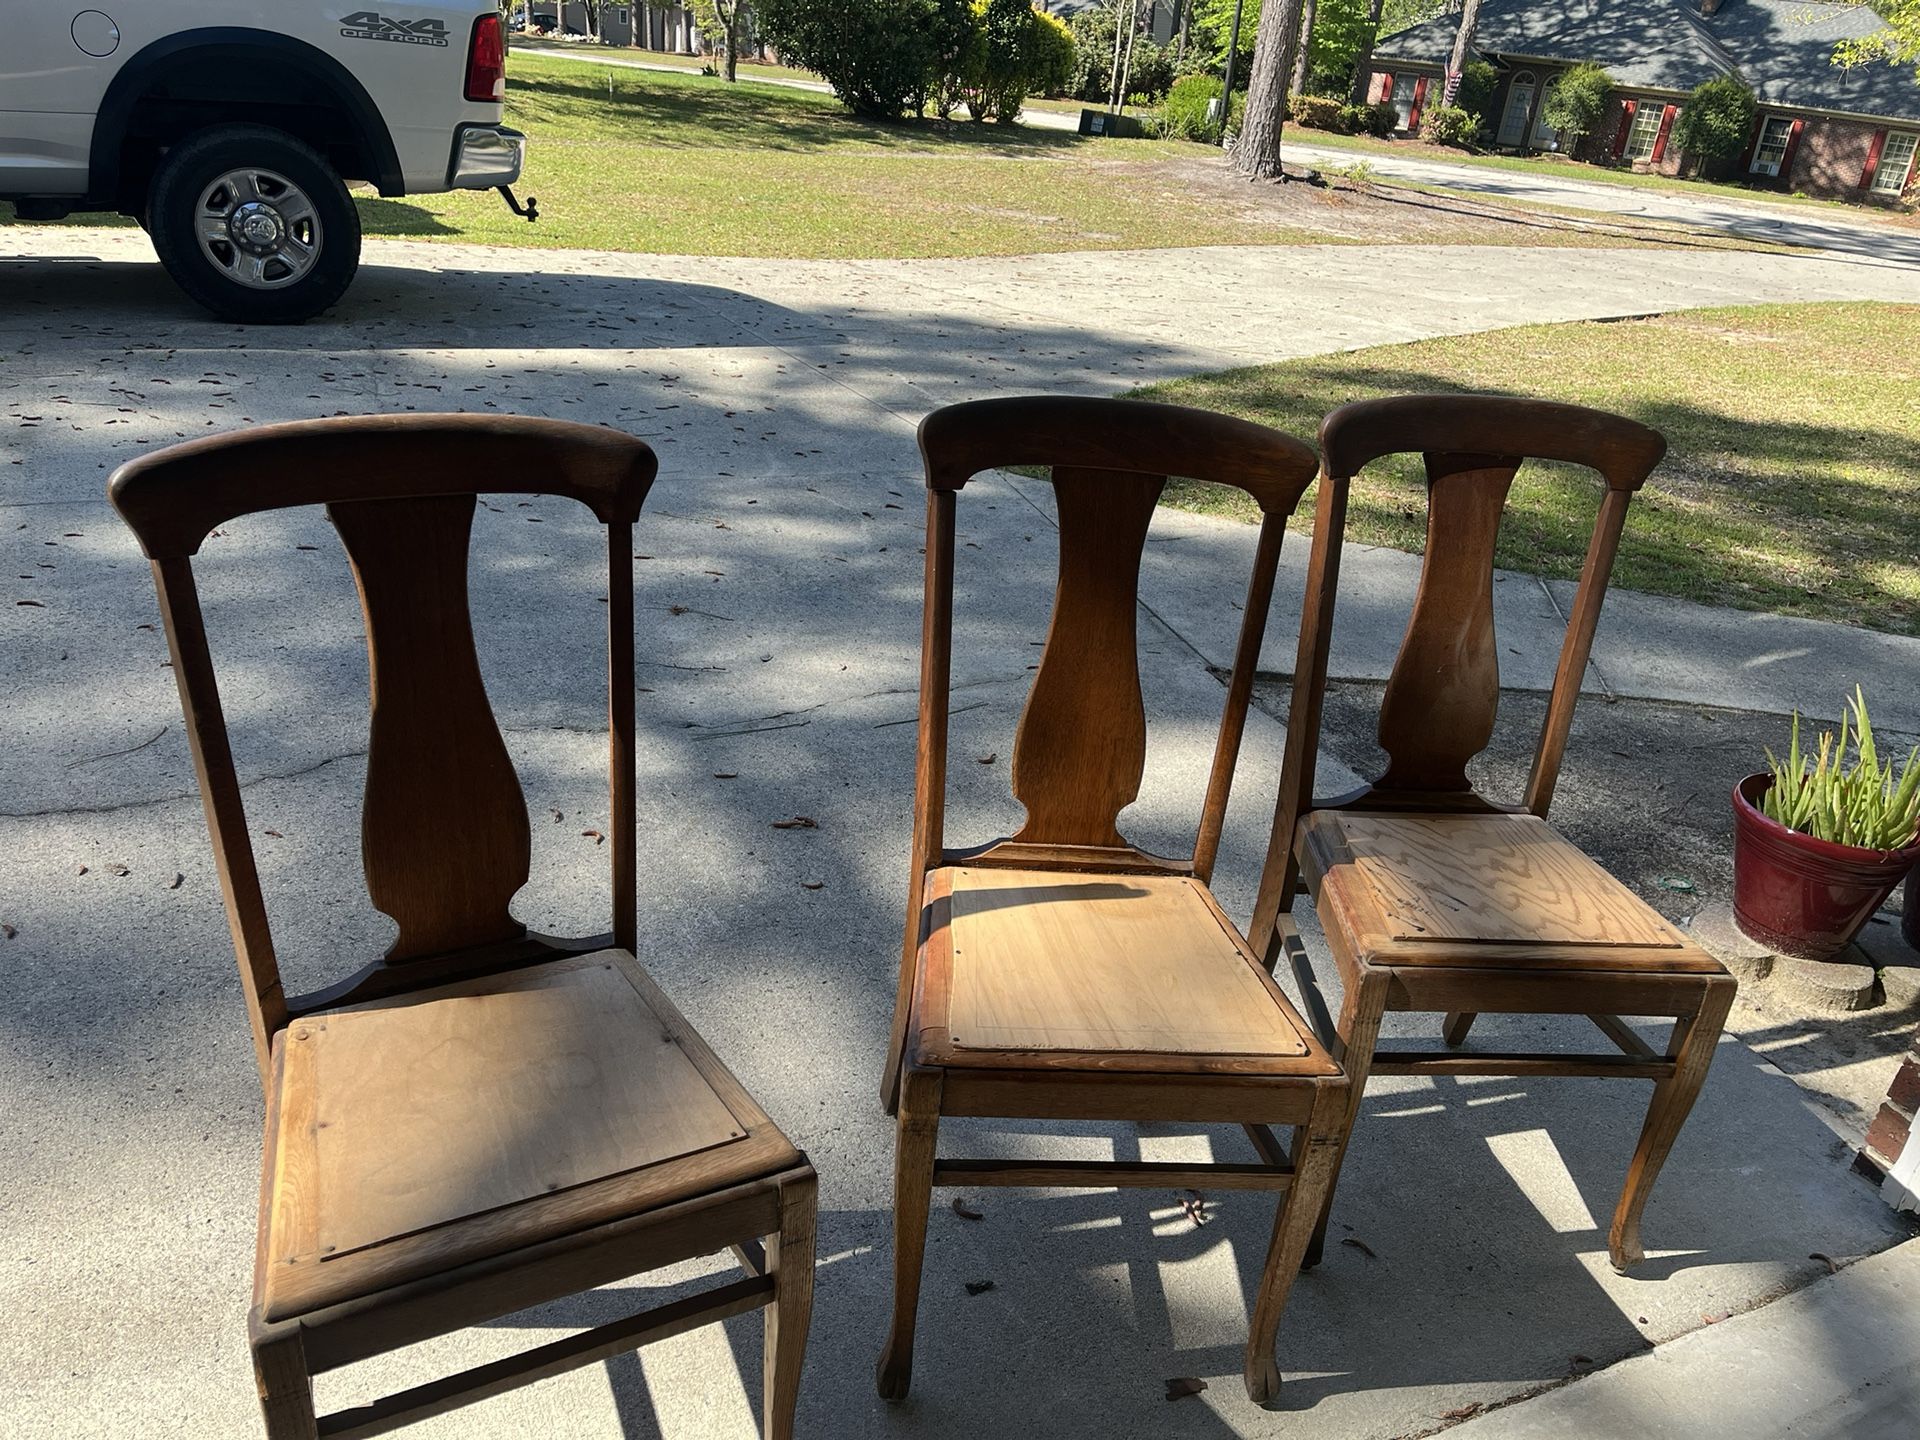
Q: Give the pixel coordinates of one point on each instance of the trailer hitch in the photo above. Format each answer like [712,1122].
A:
[531,209]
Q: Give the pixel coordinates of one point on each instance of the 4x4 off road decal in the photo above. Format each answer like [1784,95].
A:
[371,25]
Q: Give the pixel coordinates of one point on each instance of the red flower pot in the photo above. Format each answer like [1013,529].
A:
[1798,895]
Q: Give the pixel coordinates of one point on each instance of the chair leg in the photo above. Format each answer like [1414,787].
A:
[1362,1007]
[914,1149]
[1315,1160]
[1454,1030]
[1691,1046]
[790,1262]
[286,1387]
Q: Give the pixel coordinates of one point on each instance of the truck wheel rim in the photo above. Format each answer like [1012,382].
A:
[258,229]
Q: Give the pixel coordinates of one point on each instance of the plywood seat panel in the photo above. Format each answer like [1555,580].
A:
[478,1117]
[1454,889]
[1063,968]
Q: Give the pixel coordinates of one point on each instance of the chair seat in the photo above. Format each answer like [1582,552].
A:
[1481,890]
[1049,969]
[419,1132]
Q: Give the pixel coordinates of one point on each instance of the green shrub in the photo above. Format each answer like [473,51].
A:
[1716,120]
[1377,120]
[1450,125]
[1317,112]
[1152,73]
[1184,116]
[1015,51]
[994,73]
[1051,56]
[1574,106]
[1477,84]
[878,55]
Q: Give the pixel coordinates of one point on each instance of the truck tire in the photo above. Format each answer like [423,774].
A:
[254,225]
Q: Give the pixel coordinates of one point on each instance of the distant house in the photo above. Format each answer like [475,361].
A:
[671,28]
[1821,130]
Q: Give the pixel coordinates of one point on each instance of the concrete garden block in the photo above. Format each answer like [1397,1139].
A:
[1745,957]
[1833,986]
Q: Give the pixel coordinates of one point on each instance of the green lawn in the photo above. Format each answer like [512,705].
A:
[1793,479]
[642,160]
[1560,168]
[683,164]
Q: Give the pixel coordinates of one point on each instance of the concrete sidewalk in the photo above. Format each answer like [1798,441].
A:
[778,636]
[1834,1361]
[1823,228]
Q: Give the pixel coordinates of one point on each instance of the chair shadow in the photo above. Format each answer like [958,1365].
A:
[1099,1296]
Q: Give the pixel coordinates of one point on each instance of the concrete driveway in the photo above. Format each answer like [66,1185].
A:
[777,636]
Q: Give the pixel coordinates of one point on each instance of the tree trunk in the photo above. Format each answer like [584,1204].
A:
[1256,153]
[732,18]
[1462,48]
[1303,52]
[1363,62]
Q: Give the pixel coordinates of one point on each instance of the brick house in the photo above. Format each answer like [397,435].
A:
[1844,134]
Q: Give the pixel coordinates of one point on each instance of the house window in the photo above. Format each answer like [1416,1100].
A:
[1896,163]
[1645,134]
[1772,146]
[1403,90]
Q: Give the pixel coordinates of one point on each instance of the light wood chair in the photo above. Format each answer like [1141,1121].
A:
[483,1119]
[1433,897]
[1063,973]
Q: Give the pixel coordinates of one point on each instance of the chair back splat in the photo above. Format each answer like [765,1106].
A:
[1444,691]
[1080,751]
[444,830]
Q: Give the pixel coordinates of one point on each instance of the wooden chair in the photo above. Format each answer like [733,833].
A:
[483,1119]
[1433,897]
[1063,973]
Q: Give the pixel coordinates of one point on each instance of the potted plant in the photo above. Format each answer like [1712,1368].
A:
[1818,845]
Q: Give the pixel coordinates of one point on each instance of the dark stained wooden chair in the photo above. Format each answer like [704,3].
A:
[1063,973]
[483,1119]
[1433,897]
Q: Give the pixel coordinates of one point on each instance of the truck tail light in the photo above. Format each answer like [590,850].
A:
[487,61]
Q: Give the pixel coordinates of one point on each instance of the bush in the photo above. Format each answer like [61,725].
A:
[1450,125]
[1184,116]
[1477,84]
[1052,57]
[1151,75]
[878,55]
[1714,123]
[1015,51]
[1574,106]
[1377,120]
[1317,112]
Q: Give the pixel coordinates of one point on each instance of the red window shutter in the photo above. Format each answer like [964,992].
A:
[1666,129]
[1626,128]
[1793,149]
[1419,99]
[1742,165]
[1384,90]
[1873,159]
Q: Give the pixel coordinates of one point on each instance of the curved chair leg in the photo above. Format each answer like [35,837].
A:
[1315,1160]
[914,1149]
[1361,1009]
[286,1387]
[1454,1029]
[790,1262]
[1692,1046]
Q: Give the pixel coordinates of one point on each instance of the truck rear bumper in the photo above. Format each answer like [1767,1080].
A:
[485,156]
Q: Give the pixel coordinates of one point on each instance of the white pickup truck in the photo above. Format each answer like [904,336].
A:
[228,128]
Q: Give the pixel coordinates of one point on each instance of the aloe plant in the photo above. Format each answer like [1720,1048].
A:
[1870,805]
